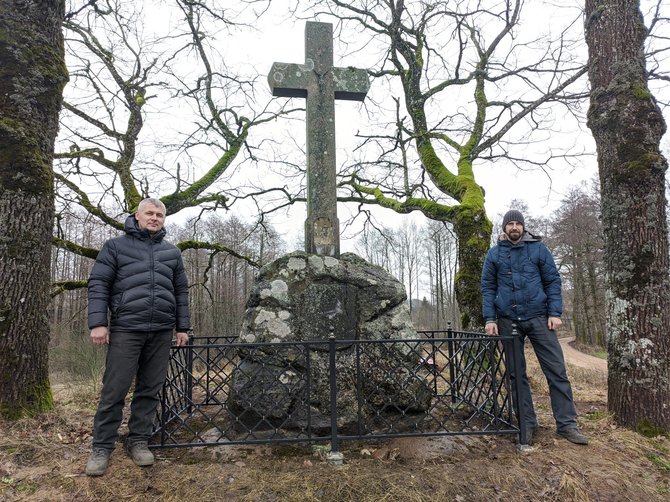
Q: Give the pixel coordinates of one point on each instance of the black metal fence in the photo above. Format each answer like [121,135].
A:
[445,383]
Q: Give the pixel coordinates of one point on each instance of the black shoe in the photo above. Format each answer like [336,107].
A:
[574,436]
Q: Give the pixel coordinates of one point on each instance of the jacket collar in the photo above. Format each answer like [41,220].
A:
[526,237]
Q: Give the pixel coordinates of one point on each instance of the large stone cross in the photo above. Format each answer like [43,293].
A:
[321,84]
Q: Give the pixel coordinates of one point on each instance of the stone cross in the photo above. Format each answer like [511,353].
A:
[321,84]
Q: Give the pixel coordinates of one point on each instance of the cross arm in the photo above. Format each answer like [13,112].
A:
[351,83]
[289,80]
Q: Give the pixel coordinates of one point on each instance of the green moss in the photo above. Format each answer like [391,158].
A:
[26,161]
[645,162]
[33,401]
[597,415]
[647,429]
[26,487]
[640,90]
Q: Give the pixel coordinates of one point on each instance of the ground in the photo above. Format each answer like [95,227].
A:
[43,460]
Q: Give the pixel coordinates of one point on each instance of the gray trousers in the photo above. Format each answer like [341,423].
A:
[139,357]
[550,356]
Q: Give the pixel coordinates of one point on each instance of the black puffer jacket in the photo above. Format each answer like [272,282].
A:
[140,280]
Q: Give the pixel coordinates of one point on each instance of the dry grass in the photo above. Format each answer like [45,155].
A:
[43,459]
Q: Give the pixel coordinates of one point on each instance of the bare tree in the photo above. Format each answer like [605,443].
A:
[32,76]
[627,125]
[409,254]
[459,87]
[441,256]
[121,140]
[377,246]
[576,241]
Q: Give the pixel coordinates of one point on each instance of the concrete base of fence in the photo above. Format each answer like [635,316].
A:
[335,458]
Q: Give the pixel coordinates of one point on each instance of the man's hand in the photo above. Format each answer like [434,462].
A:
[100,335]
[554,323]
[181,338]
[491,328]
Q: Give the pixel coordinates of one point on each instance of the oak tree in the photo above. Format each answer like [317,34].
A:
[32,76]
[627,125]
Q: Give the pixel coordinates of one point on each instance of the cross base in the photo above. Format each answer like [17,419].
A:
[322,235]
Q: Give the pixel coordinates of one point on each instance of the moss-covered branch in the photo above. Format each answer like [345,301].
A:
[184,245]
[75,248]
[59,287]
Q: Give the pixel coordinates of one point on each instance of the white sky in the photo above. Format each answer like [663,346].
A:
[280,38]
[283,41]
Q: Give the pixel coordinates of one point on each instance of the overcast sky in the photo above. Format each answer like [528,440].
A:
[280,38]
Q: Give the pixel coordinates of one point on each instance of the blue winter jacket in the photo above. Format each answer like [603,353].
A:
[520,281]
[140,279]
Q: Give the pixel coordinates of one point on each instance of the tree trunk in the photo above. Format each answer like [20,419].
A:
[473,230]
[627,126]
[32,76]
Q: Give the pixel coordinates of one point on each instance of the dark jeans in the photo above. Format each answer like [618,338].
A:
[142,357]
[549,354]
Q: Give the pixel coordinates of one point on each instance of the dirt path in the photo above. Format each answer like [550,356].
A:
[576,358]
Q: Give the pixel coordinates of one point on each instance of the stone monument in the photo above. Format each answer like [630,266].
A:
[320,83]
[315,294]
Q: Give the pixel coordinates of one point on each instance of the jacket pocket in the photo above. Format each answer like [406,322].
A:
[118,303]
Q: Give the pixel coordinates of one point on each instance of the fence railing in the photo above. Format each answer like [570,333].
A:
[219,391]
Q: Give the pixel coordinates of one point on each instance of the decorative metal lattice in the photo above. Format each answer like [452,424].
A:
[219,391]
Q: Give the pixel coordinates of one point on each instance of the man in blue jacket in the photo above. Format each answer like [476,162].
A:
[521,286]
[139,279]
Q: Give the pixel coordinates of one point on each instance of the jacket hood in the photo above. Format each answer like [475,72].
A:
[526,237]
[132,228]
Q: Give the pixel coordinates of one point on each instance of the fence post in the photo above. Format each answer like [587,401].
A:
[452,366]
[188,391]
[516,350]
[333,393]
[493,366]
[334,457]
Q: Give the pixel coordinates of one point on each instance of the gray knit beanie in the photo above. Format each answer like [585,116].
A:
[512,215]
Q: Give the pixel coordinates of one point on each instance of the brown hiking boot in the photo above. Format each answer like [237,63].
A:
[97,462]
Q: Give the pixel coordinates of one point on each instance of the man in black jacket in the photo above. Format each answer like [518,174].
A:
[139,279]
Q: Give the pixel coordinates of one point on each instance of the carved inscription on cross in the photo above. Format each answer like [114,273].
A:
[321,84]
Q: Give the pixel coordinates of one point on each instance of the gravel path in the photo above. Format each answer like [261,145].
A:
[576,358]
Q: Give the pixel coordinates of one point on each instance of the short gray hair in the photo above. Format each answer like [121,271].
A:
[154,202]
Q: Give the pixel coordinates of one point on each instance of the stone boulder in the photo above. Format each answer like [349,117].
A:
[307,297]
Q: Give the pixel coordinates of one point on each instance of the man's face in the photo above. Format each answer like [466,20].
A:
[514,231]
[150,218]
